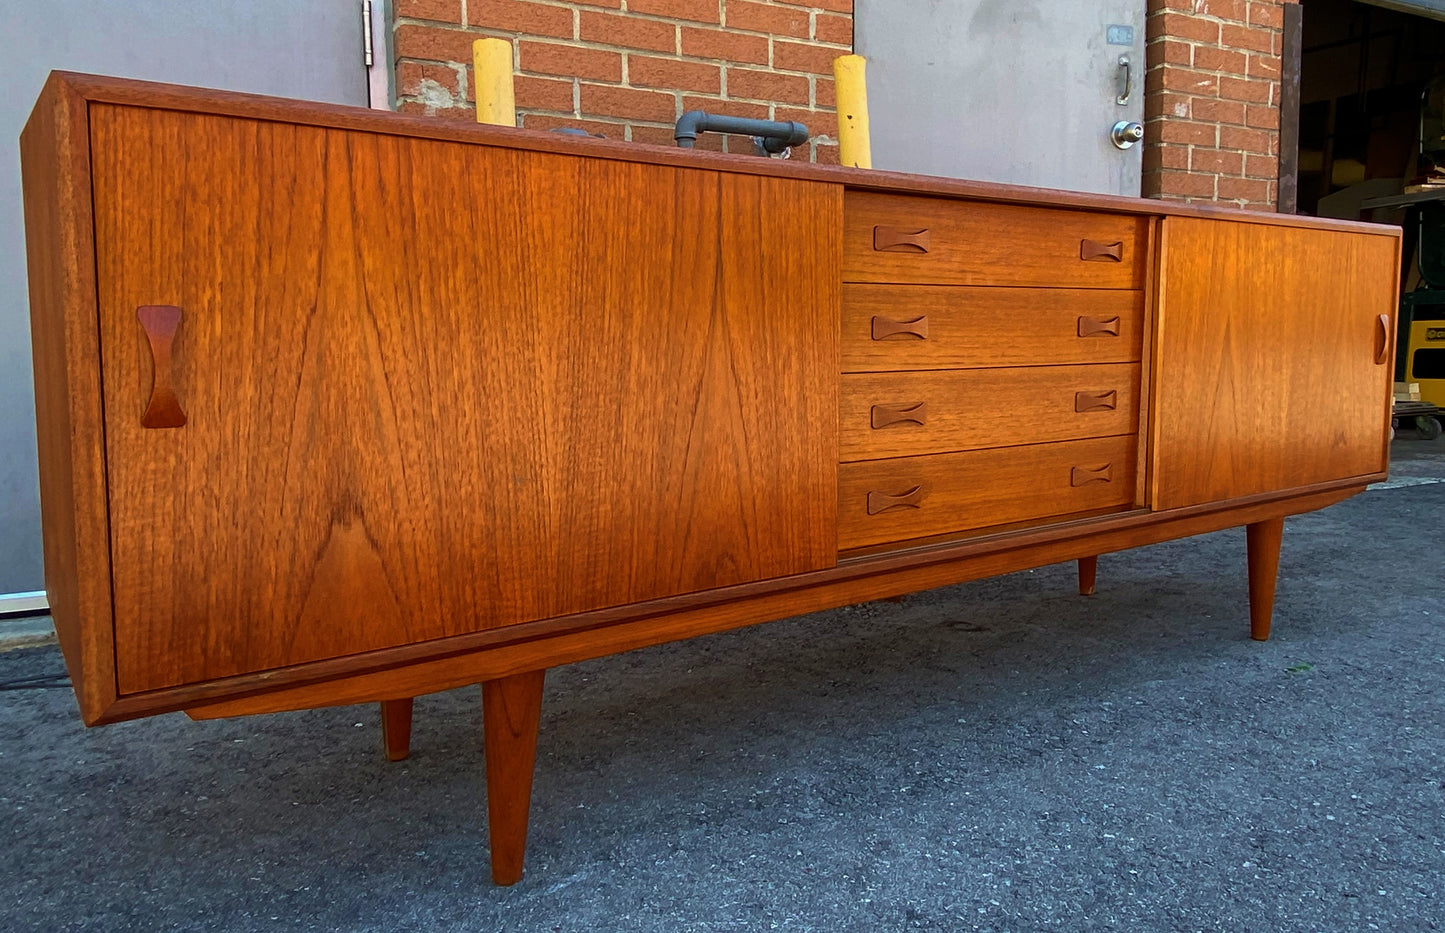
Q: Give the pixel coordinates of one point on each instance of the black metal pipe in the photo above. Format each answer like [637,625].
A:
[776,136]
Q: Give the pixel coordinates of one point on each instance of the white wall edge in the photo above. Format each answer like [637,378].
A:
[381,90]
[23,603]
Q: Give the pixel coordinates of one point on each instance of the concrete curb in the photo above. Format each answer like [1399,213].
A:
[26,632]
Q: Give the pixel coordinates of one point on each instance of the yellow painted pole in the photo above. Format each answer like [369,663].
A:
[854,147]
[492,74]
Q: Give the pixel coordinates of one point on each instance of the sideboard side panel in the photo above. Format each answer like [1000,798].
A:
[1267,375]
[433,388]
[55,168]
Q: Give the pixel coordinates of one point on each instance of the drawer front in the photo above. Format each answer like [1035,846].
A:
[898,238]
[906,414]
[892,327]
[894,500]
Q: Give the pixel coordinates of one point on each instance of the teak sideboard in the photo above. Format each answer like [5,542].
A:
[337,406]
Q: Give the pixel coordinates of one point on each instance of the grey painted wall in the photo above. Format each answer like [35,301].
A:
[290,48]
[1015,91]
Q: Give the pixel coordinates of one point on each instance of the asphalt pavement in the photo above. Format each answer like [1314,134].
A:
[1002,755]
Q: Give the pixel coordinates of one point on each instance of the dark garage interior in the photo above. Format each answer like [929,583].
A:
[1363,71]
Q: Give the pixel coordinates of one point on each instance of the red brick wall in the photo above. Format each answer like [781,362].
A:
[1211,104]
[629,68]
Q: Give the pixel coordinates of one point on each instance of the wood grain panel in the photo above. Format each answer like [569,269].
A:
[420,408]
[1266,377]
[854,580]
[60,257]
[969,409]
[978,243]
[974,327]
[980,488]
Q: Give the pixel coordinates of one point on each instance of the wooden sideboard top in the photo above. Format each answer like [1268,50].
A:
[251,106]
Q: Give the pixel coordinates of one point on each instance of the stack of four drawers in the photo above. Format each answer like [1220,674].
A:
[991,366]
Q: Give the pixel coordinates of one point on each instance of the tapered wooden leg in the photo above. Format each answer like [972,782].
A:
[511,710]
[1262,541]
[396,728]
[1088,566]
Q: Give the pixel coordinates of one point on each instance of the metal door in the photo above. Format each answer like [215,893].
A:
[1019,91]
[310,49]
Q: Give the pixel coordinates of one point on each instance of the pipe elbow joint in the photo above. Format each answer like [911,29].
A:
[792,133]
[687,128]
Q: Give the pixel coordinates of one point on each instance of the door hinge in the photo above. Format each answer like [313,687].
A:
[366,31]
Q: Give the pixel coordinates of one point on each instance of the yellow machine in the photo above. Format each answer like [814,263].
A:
[1420,342]
[1425,360]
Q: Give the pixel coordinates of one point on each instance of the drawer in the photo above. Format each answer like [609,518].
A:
[892,327]
[914,497]
[905,414]
[899,238]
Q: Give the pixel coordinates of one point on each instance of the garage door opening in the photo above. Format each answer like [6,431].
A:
[1363,69]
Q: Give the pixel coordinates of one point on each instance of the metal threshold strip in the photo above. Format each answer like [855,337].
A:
[23,604]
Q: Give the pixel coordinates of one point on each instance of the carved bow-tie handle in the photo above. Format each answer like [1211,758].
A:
[887,327]
[882,501]
[900,240]
[1083,476]
[159,323]
[1095,401]
[1094,251]
[882,416]
[1098,327]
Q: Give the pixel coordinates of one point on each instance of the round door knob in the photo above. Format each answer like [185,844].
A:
[1126,133]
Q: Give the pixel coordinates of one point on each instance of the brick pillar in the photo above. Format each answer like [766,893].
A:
[1211,101]
[629,68]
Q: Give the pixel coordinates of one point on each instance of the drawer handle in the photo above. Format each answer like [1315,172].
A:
[884,327]
[1095,401]
[1094,251]
[1382,337]
[883,416]
[160,323]
[881,501]
[900,240]
[1098,327]
[1083,476]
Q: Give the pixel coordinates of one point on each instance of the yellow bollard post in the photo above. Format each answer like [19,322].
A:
[492,74]
[854,147]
